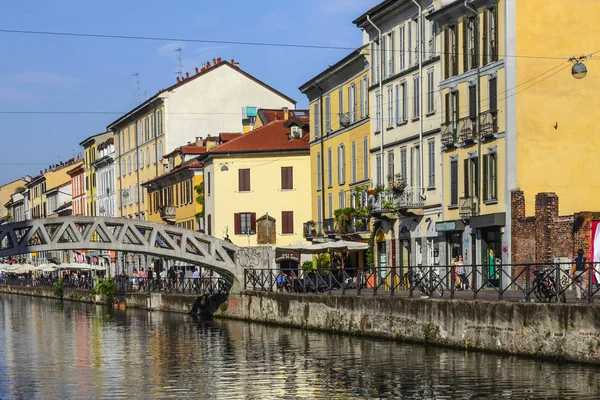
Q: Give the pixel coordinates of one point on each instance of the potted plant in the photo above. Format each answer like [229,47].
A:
[397,184]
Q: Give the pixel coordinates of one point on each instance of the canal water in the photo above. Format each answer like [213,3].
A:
[54,350]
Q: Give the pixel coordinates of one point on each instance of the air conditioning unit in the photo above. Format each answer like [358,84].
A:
[296,132]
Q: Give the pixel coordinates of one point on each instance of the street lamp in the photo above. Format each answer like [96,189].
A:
[579,70]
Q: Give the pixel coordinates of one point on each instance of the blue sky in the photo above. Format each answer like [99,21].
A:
[53,73]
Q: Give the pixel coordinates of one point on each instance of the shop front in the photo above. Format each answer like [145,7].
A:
[453,232]
[489,229]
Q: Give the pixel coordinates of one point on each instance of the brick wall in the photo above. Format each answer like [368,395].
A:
[547,235]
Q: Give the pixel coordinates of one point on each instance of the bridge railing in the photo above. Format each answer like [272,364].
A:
[84,283]
[192,286]
[517,282]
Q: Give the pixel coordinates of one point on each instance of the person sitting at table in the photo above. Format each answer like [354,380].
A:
[282,282]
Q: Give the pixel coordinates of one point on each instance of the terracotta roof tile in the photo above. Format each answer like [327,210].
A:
[193,163]
[228,136]
[193,149]
[271,137]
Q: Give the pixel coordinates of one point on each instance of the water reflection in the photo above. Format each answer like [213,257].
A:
[53,350]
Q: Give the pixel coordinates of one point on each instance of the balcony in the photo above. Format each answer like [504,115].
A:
[360,225]
[167,213]
[309,229]
[488,124]
[407,202]
[468,207]
[449,133]
[466,130]
[329,226]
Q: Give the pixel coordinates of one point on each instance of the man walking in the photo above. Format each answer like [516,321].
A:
[578,273]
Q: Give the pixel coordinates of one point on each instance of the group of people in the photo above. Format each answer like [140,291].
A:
[170,279]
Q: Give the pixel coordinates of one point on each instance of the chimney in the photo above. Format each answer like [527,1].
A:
[214,61]
[207,64]
[187,75]
[232,61]
[196,69]
[286,113]
[219,60]
[199,141]
[178,80]
[211,143]
[236,64]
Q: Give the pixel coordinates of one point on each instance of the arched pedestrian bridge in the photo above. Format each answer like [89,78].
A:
[123,235]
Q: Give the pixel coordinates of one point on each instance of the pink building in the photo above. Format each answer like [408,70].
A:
[77,175]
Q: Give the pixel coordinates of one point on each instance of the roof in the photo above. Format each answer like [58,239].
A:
[272,137]
[78,169]
[372,11]
[227,136]
[204,71]
[90,140]
[190,164]
[64,206]
[268,115]
[338,65]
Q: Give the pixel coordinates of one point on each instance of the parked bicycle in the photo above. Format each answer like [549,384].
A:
[545,286]
[429,284]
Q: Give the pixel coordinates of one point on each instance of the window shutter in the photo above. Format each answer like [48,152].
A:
[284,227]
[446,55]
[472,102]
[237,223]
[476,41]
[283,178]
[485,177]
[209,220]
[454,182]
[476,177]
[240,180]
[252,223]
[493,93]
[465,34]
[485,38]
[466,180]
[448,111]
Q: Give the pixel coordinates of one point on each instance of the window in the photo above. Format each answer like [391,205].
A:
[319,216]
[160,151]
[454,182]
[417,42]
[431,39]
[341,165]
[352,102]
[147,156]
[139,133]
[154,153]
[143,195]
[340,102]
[354,166]
[397,105]
[430,92]
[490,35]
[403,160]
[373,62]
[129,165]
[392,48]
[390,106]
[244,180]
[244,223]
[419,181]
[146,129]
[287,222]
[404,92]
[141,159]
[451,49]
[390,155]
[287,178]
[378,169]
[493,93]
[135,161]
[329,168]
[365,158]
[317,119]
[402,47]
[470,43]
[123,167]
[409,46]
[378,111]
[471,177]
[364,97]
[209,224]
[431,151]
[136,195]
[384,55]
[472,102]
[128,138]
[152,125]
[208,183]
[319,179]
[490,174]
[159,122]
[330,205]
[342,199]
[416,97]
[327,114]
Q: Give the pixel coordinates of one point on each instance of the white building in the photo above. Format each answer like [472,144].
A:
[405,120]
[106,179]
[59,200]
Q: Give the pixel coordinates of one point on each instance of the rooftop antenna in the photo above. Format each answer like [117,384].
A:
[137,81]
[179,59]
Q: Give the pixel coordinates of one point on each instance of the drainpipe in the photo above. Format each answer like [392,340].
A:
[380,76]
[322,134]
[421,111]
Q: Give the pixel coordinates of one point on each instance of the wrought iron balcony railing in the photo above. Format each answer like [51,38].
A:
[467,127]
[449,133]
[488,124]
[167,213]
[329,226]
[468,207]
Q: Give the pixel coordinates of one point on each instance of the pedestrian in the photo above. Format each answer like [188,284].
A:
[150,279]
[163,278]
[136,280]
[578,273]
[196,277]
[181,278]
[461,272]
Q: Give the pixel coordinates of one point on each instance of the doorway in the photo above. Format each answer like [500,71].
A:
[491,255]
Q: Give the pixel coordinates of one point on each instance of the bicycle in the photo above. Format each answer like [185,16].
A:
[424,283]
[545,286]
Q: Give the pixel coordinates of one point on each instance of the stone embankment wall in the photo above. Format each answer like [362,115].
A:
[85,296]
[554,331]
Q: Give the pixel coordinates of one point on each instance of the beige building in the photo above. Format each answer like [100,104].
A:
[6,191]
[216,98]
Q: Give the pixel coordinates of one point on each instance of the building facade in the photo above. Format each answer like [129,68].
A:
[91,148]
[106,179]
[257,187]
[77,175]
[340,150]
[206,102]
[6,192]
[405,142]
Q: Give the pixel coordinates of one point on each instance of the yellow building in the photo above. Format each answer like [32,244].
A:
[208,101]
[257,187]
[91,154]
[6,191]
[514,117]
[339,148]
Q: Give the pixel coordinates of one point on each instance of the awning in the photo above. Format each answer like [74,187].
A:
[344,246]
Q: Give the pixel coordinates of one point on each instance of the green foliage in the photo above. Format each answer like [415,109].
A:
[344,218]
[324,263]
[59,288]
[106,288]
[308,266]
[200,198]
[371,249]
[20,189]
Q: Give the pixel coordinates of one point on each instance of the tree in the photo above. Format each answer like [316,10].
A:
[200,198]
[20,189]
